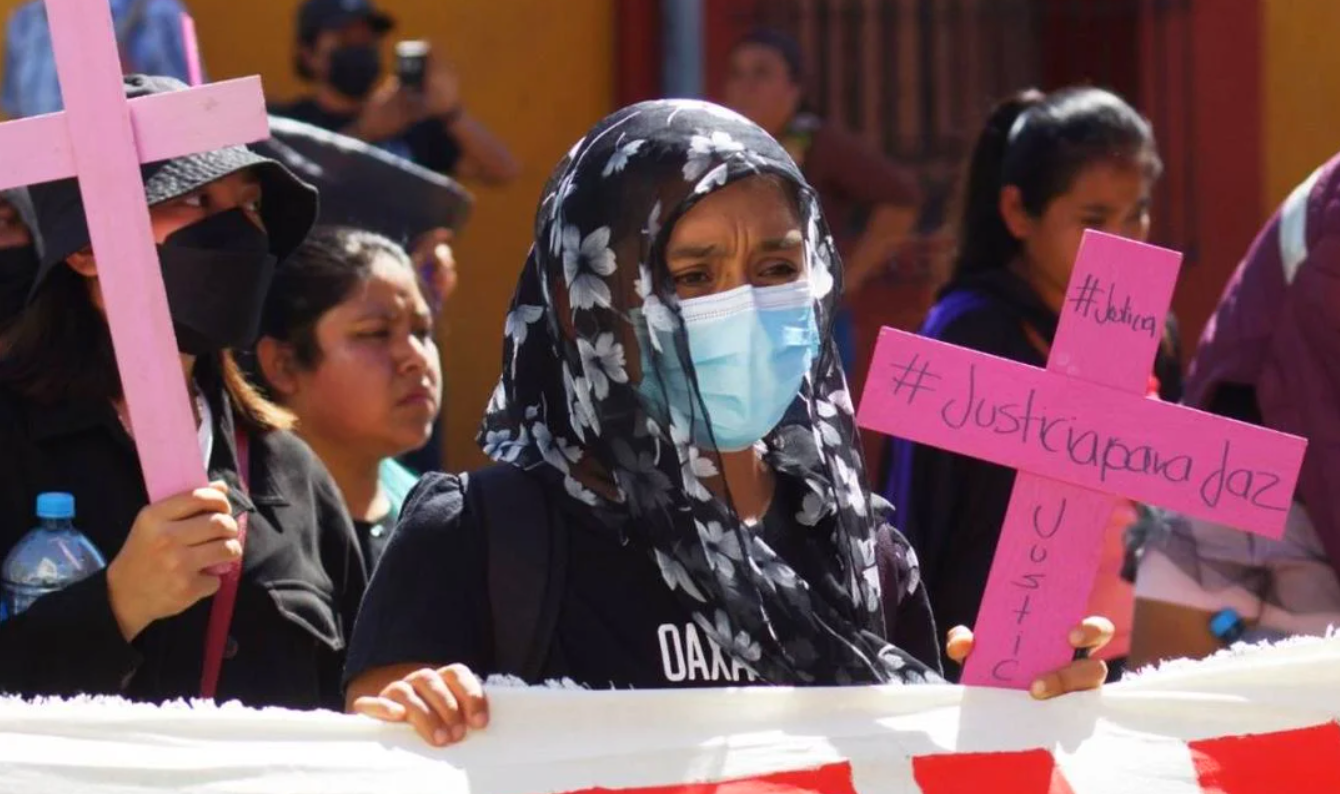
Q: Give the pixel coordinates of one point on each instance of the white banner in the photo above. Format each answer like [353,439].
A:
[1164,733]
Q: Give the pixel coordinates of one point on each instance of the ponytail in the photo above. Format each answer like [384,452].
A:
[984,242]
[252,409]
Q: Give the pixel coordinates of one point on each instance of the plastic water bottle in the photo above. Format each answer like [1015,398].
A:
[50,557]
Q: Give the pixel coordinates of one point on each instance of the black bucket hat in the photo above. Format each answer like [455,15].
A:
[288,207]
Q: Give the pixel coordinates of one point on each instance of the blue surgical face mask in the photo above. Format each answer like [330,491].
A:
[750,347]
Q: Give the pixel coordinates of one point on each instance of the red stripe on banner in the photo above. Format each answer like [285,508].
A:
[1031,772]
[832,779]
[1298,762]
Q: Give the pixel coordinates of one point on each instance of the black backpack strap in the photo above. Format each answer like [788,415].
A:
[527,550]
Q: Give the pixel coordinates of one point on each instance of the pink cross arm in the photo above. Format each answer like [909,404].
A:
[1038,589]
[165,125]
[1115,309]
[96,140]
[1080,434]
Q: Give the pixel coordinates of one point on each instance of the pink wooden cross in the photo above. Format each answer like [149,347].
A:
[1082,434]
[102,139]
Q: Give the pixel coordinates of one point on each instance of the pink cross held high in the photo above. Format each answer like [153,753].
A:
[102,139]
[1082,434]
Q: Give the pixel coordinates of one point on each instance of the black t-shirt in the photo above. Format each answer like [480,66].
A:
[427,143]
[619,626]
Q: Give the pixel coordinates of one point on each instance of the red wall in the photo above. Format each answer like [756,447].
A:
[1223,147]
[1103,42]
[637,55]
[724,22]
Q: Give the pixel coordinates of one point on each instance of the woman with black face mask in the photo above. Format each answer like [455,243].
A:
[223,220]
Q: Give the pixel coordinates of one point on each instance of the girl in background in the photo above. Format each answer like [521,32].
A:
[347,346]
[1045,168]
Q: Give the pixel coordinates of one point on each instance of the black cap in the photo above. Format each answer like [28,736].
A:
[288,205]
[317,15]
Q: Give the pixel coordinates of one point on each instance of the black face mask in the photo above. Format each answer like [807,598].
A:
[216,273]
[354,70]
[18,268]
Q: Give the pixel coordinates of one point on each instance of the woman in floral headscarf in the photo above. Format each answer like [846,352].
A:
[671,384]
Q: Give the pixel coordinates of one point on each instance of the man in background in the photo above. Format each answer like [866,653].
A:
[148,33]
[872,203]
[340,53]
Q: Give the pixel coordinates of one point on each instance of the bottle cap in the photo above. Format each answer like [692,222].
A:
[1227,625]
[55,506]
[412,49]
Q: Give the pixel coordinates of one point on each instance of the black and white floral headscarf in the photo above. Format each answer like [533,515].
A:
[567,399]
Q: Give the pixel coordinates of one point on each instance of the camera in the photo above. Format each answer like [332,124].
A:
[411,59]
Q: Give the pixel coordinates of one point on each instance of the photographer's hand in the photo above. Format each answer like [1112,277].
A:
[442,89]
[389,112]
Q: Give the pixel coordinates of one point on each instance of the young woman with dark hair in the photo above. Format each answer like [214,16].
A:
[223,221]
[347,346]
[1044,169]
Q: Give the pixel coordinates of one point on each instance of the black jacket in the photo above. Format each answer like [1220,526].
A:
[303,574]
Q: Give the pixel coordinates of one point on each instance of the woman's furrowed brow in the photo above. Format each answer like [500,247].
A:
[790,241]
[690,251]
